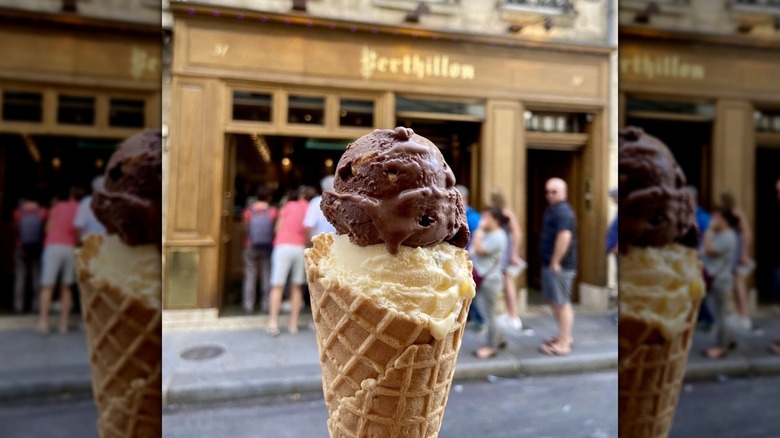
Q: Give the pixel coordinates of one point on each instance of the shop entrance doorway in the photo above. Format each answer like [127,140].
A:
[280,164]
[41,168]
[543,165]
[767,233]
[691,144]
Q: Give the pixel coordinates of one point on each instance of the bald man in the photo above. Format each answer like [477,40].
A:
[558,244]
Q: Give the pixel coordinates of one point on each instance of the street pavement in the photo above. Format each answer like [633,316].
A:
[582,405]
[742,407]
[251,364]
[61,417]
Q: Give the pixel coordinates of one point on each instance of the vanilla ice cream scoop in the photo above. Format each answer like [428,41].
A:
[426,283]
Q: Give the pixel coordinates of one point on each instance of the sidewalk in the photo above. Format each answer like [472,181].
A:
[34,366]
[252,364]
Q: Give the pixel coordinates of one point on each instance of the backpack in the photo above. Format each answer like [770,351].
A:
[261,228]
[31,227]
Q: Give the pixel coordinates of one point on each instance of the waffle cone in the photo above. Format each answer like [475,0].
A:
[124,336]
[650,373]
[383,373]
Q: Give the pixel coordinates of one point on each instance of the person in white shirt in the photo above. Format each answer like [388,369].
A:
[315,222]
[85,221]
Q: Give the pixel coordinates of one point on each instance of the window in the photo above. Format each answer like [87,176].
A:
[307,110]
[473,109]
[126,113]
[255,107]
[356,112]
[541,121]
[19,106]
[76,110]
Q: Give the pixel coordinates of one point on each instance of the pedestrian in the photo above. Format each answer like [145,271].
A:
[612,230]
[720,248]
[705,318]
[487,248]
[472,219]
[315,222]
[59,259]
[287,259]
[259,219]
[612,245]
[85,221]
[743,263]
[29,219]
[558,245]
[775,346]
[702,216]
[511,257]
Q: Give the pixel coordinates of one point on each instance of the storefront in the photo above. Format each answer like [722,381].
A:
[272,99]
[62,113]
[716,102]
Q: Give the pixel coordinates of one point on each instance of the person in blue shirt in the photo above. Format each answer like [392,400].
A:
[703,218]
[472,218]
[612,231]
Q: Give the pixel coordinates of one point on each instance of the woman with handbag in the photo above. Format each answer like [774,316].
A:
[487,249]
[719,248]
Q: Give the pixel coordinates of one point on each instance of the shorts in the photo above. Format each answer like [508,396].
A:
[556,287]
[58,259]
[287,260]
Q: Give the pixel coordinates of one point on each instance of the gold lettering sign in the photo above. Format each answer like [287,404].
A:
[663,66]
[141,62]
[421,67]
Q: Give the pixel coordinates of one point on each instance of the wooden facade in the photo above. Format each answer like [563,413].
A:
[280,55]
[56,57]
[735,76]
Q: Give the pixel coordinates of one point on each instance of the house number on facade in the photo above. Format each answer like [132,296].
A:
[220,49]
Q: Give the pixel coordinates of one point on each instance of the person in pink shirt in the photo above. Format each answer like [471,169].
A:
[287,258]
[59,259]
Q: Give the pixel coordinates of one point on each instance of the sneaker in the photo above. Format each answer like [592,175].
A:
[516,324]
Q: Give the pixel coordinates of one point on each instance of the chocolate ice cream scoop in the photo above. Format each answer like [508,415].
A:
[655,207]
[130,203]
[394,187]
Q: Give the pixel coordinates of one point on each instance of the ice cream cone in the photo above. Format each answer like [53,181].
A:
[124,339]
[384,374]
[650,374]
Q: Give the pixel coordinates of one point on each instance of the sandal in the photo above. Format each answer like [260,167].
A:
[274,332]
[554,350]
[715,353]
[487,356]
[554,340]
[293,330]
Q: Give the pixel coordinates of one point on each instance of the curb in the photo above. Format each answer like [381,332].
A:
[215,390]
[737,366]
[39,383]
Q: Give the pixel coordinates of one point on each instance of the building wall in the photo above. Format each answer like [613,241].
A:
[707,16]
[587,24]
[135,11]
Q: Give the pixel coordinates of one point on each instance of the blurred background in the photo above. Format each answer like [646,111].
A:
[76,78]
[702,77]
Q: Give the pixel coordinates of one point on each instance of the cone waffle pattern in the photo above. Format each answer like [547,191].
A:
[124,336]
[650,373]
[384,374]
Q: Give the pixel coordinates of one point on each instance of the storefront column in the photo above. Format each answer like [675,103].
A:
[595,212]
[503,156]
[192,225]
[733,154]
